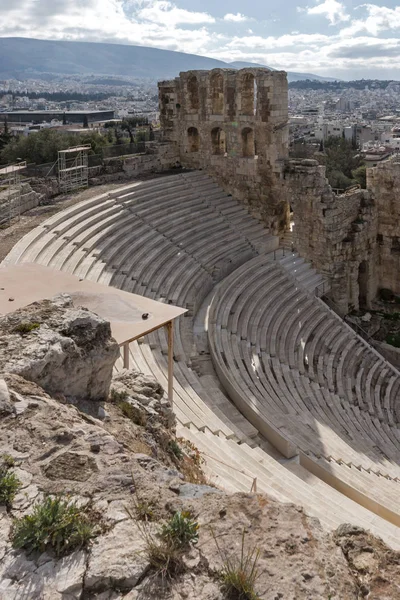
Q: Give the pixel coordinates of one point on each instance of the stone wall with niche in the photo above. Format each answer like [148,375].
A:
[234,124]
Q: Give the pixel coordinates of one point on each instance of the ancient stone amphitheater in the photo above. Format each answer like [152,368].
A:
[273,387]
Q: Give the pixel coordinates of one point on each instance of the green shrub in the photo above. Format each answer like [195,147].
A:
[117,396]
[132,412]
[181,530]
[176,450]
[9,482]
[393,339]
[164,549]
[238,575]
[26,327]
[55,524]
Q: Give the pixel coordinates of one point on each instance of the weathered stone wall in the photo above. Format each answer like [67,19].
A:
[157,158]
[336,233]
[384,181]
[234,124]
[16,201]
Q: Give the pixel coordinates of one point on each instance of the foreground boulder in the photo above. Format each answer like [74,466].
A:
[67,351]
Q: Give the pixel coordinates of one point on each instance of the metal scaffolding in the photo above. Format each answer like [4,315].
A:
[73,171]
[10,196]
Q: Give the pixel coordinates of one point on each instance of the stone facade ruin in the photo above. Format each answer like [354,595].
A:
[234,124]
[384,182]
[352,238]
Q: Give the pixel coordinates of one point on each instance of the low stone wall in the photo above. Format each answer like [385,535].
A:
[158,158]
[16,201]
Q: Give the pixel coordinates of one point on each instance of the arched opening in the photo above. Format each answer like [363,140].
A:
[218,141]
[248,92]
[217,94]
[363,284]
[193,92]
[193,139]
[248,149]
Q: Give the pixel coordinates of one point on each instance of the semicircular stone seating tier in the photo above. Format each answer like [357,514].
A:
[278,352]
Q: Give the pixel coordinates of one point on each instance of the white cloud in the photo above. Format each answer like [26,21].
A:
[169,14]
[163,24]
[380,18]
[333,10]
[238,18]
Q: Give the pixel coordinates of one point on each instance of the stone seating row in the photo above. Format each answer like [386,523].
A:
[298,328]
[293,411]
[108,240]
[237,467]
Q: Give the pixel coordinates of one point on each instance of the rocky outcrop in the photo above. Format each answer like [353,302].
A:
[67,351]
[129,463]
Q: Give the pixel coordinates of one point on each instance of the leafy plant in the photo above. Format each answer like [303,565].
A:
[174,447]
[238,575]
[181,530]
[165,548]
[9,482]
[55,524]
[26,327]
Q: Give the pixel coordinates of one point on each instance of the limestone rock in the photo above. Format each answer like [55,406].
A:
[6,406]
[67,351]
[24,579]
[145,395]
[117,559]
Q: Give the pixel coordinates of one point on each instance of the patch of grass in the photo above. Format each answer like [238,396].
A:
[9,482]
[26,327]
[131,412]
[165,559]
[55,524]
[117,396]
[165,548]
[181,530]
[175,448]
[141,510]
[239,574]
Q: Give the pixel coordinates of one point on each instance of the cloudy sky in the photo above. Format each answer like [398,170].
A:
[343,39]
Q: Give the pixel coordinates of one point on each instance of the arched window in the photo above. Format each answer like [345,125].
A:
[218,141]
[193,139]
[248,94]
[193,92]
[217,94]
[248,148]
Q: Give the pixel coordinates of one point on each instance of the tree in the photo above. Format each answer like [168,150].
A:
[43,146]
[64,121]
[85,122]
[360,175]
[5,136]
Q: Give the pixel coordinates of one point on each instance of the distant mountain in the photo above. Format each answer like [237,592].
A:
[22,58]
[292,76]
